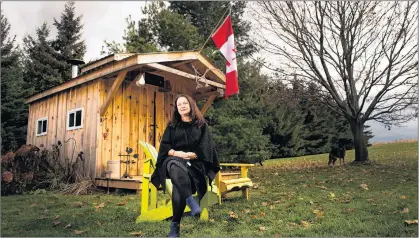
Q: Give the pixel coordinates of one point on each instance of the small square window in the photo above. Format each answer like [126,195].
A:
[75,119]
[41,126]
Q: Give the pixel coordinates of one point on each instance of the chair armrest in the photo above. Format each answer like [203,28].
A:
[236,165]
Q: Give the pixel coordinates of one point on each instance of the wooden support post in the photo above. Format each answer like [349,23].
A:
[114,89]
[207,104]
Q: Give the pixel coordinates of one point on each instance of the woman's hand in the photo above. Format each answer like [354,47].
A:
[191,155]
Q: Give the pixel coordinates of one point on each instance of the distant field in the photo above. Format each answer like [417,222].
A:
[292,197]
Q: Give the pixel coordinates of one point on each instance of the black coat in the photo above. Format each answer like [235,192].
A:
[187,137]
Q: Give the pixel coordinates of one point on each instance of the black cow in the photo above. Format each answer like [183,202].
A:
[335,153]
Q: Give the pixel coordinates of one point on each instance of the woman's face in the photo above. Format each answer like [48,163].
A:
[183,106]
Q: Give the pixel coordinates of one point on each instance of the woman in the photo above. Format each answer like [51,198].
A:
[186,155]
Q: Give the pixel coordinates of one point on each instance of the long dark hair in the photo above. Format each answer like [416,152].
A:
[195,114]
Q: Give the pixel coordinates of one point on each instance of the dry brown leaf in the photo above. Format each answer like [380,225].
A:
[364,186]
[271,207]
[315,211]
[121,204]
[233,215]
[410,222]
[56,223]
[262,214]
[136,233]
[78,232]
[320,214]
[69,225]
[349,210]
[406,210]
[254,216]
[78,204]
[403,197]
[262,228]
[304,223]
[102,205]
[265,204]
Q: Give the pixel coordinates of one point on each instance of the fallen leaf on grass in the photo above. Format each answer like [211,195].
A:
[271,207]
[364,186]
[262,214]
[262,228]
[406,210]
[255,186]
[56,223]
[349,210]
[33,205]
[246,211]
[78,204]
[233,215]
[102,205]
[77,232]
[254,216]
[304,223]
[332,195]
[69,225]
[277,201]
[410,222]
[292,224]
[211,220]
[136,233]
[264,203]
[121,204]
[320,214]
[403,197]
[99,223]
[57,216]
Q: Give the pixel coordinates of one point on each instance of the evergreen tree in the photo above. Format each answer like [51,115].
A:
[14,111]
[68,43]
[42,68]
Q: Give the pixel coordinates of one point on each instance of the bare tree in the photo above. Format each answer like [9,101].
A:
[362,53]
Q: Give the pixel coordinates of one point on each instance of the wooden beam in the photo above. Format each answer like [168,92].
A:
[127,63]
[207,104]
[184,74]
[114,89]
[209,65]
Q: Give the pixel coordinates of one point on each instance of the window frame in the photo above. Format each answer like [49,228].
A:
[75,110]
[46,129]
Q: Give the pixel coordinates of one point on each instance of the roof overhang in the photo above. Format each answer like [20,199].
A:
[188,64]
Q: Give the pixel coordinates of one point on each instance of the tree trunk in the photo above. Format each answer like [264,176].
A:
[361,150]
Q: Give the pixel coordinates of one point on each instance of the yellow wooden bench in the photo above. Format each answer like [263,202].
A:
[151,210]
[238,184]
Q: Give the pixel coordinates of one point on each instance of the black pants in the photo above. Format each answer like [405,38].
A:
[182,189]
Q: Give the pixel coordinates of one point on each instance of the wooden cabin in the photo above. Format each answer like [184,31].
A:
[106,109]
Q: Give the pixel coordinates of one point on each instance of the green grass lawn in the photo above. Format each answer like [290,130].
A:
[292,197]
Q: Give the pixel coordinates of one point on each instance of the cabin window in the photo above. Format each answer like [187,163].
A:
[75,119]
[41,126]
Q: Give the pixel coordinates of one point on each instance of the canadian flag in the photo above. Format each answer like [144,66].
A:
[224,40]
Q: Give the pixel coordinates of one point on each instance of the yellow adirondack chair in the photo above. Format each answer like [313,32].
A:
[150,209]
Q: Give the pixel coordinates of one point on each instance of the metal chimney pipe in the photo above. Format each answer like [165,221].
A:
[74,71]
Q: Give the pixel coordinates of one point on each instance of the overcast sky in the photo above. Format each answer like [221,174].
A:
[106,21]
